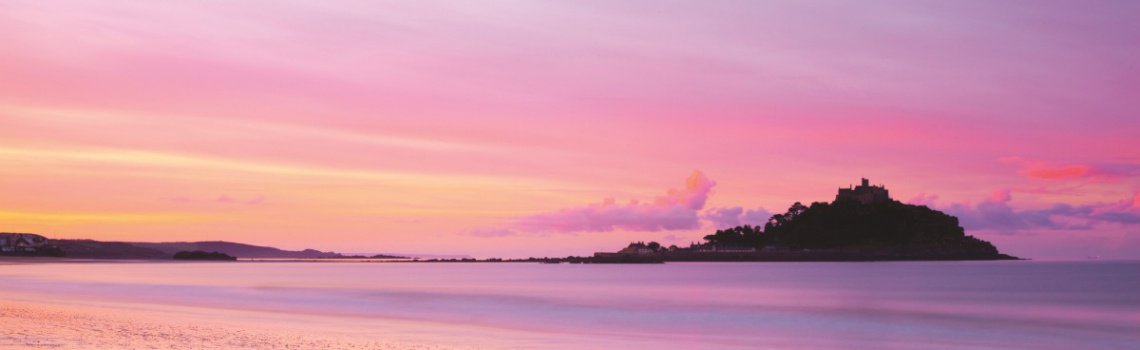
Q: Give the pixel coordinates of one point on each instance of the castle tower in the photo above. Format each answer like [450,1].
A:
[864,193]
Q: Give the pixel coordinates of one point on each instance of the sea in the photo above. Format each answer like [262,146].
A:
[787,305]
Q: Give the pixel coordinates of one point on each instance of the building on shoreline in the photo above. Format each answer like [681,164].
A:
[637,249]
[722,248]
[13,243]
[642,249]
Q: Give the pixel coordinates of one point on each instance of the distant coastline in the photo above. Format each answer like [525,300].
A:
[35,245]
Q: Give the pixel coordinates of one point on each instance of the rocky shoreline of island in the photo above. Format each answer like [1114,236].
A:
[862,223]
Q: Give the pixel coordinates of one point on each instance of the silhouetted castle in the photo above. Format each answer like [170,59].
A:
[864,193]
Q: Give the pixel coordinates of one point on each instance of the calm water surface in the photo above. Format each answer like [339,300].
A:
[904,305]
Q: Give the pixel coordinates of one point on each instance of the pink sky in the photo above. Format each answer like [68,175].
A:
[520,128]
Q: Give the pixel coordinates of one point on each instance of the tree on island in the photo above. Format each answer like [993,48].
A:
[202,255]
[749,236]
[862,222]
[883,224]
[887,225]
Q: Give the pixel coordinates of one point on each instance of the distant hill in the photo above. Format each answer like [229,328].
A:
[201,255]
[91,249]
[240,250]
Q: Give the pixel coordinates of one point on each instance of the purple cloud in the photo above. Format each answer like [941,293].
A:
[996,214]
[736,216]
[677,210]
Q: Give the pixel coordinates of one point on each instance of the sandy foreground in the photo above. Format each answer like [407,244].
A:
[35,326]
[75,304]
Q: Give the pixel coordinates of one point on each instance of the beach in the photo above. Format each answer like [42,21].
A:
[302,305]
[50,326]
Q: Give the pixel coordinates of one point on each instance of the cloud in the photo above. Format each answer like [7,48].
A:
[1109,172]
[1001,196]
[677,210]
[1058,173]
[736,216]
[995,214]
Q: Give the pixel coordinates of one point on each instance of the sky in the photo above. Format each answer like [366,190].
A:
[554,128]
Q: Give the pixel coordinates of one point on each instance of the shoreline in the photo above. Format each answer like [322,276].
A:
[6,260]
[48,324]
[612,259]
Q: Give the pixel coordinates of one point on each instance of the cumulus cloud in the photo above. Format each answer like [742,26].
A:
[676,210]
[736,216]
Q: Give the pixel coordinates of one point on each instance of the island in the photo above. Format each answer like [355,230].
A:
[203,255]
[862,223]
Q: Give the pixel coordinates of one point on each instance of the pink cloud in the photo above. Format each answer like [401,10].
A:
[1036,169]
[677,210]
[736,216]
[1001,196]
[1058,173]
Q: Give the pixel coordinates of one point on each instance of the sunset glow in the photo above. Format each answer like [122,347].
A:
[516,129]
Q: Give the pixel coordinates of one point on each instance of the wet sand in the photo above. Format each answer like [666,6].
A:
[45,326]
